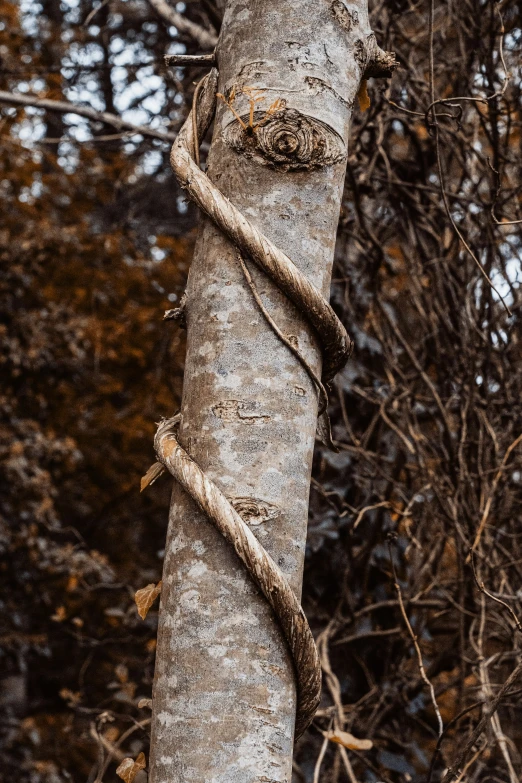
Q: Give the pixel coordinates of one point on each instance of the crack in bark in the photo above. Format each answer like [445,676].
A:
[319,86]
[238,411]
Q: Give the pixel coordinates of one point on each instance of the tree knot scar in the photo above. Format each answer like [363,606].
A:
[254,511]
[287,140]
[239,411]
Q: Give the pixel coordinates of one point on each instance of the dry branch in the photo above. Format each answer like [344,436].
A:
[63,107]
[206,39]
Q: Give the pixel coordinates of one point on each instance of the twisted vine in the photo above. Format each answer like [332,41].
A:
[263,570]
[336,347]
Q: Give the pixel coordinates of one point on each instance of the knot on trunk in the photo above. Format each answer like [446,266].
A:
[379,64]
[254,511]
[178,314]
[287,140]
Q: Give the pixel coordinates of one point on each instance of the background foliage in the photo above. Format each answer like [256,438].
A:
[95,242]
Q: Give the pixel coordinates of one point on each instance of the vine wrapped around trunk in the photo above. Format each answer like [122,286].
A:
[288,76]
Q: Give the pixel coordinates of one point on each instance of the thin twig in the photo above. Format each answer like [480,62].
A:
[93,13]
[487,508]
[182,60]
[456,769]
[482,589]
[206,39]
[319,762]
[323,396]
[422,670]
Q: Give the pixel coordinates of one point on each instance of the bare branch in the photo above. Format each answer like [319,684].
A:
[63,107]
[204,60]
[204,38]
[489,501]
[481,586]
[455,770]
[413,635]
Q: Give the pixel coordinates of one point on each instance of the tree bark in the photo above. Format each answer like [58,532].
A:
[224,693]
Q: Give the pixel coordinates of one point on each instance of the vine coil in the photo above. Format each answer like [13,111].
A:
[336,347]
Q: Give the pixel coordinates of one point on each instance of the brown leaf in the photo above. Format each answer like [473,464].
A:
[145,598]
[128,768]
[145,704]
[59,615]
[153,473]
[122,673]
[111,733]
[71,697]
[364,98]
[348,740]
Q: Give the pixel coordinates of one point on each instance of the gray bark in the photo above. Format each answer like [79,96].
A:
[224,693]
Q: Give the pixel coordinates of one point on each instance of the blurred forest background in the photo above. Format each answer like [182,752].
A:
[95,243]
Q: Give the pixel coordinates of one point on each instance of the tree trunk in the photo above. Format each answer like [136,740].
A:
[224,693]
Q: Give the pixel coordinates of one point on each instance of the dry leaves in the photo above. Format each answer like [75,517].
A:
[347,740]
[145,598]
[128,768]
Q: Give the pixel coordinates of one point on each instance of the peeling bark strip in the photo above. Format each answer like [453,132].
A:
[224,694]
